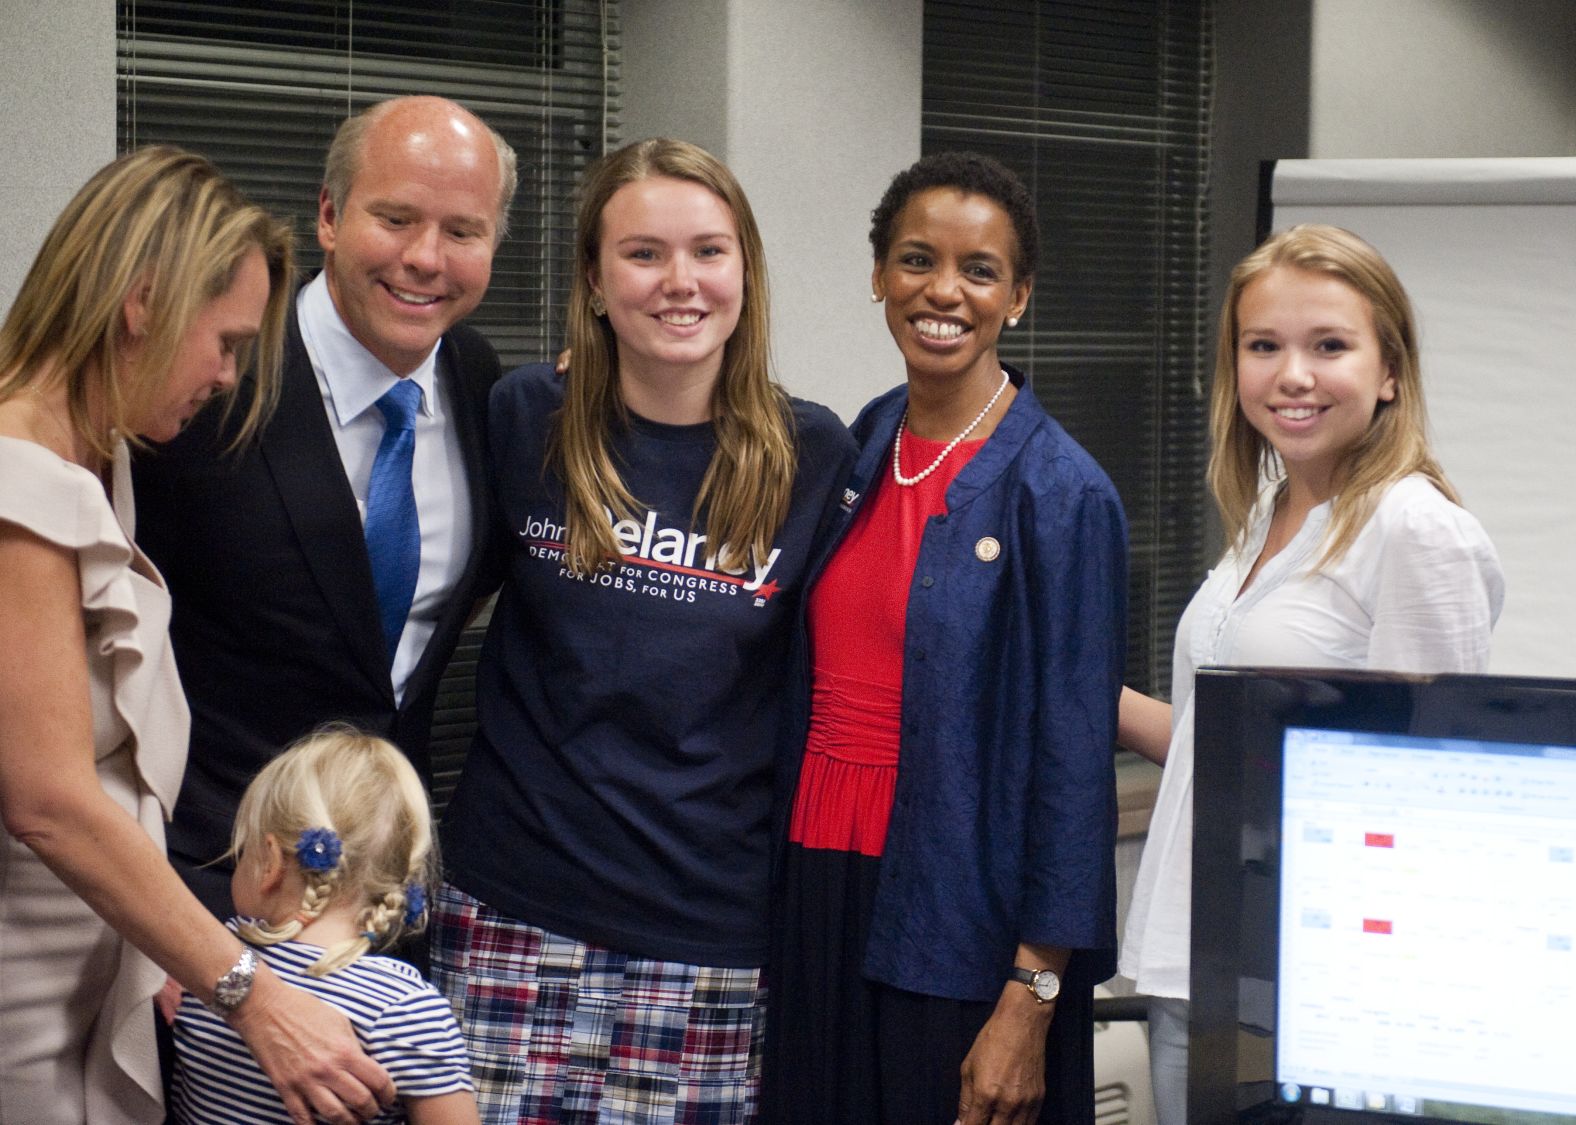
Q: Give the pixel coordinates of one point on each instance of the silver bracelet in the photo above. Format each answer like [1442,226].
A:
[236,985]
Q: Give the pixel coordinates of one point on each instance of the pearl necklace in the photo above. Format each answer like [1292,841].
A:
[897,444]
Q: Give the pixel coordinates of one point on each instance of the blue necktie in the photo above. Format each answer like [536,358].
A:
[392,530]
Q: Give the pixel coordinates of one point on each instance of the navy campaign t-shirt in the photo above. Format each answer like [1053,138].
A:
[619,788]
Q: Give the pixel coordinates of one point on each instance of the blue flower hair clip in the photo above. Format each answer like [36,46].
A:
[319,849]
[415,903]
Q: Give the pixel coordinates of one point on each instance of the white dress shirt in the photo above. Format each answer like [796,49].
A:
[352,380]
[1419,590]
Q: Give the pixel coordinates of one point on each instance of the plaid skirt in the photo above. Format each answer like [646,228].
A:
[565,1031]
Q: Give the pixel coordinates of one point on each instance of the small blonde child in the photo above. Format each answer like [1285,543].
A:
[334,859]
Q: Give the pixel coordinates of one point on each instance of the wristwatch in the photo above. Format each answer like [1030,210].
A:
[236,985]
[1043,984]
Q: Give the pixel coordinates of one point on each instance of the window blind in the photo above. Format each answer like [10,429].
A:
[1102,107]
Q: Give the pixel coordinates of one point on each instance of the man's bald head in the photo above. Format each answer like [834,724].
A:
[418,111]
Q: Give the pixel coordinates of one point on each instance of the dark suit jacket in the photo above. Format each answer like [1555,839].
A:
[275,620]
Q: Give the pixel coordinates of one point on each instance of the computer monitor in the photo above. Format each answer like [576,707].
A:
[1384,899]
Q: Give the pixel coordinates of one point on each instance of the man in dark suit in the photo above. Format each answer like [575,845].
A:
[287,612]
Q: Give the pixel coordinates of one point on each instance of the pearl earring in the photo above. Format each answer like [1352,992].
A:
[874,300]
[1012,322]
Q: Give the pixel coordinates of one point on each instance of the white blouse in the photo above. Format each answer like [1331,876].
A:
[1419,590]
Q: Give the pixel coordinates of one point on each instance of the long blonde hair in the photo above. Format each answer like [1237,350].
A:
[168,222]
[1395,444]
[364,792]
[745,493]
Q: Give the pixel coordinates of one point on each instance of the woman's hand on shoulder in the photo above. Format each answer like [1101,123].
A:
[311,1055]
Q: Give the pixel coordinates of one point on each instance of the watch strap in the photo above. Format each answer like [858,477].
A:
[1032,978]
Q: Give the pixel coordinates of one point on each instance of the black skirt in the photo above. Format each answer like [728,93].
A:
[842,1050]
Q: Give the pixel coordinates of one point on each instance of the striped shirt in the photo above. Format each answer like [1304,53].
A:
[400,1019]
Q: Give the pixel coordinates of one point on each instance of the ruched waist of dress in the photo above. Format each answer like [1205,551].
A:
[844,798]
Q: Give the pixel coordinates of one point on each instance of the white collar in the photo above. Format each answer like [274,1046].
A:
[355,378]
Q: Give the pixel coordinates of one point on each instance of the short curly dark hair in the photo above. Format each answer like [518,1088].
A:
[972,173]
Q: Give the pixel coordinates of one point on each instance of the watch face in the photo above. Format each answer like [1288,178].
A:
[235,985]
[1046,986]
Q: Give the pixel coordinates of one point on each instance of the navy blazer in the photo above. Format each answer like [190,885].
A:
[1004,818]
[275,622]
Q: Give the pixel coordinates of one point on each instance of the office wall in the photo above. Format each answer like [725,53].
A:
[822,106]
[1443,78]
[1260,112]
[674,67]
[57,117]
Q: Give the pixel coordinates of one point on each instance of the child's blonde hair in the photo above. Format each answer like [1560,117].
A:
[350,809]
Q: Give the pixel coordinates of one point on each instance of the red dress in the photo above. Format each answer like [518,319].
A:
[856,619]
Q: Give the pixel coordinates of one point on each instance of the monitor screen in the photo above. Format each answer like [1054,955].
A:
[1409,866]
[1384,899]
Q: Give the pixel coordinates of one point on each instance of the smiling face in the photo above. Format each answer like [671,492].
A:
[948,284]
[671,272]
[410,252]
[206,358]
[1310,371]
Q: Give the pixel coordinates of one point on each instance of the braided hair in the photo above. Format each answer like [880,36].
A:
[353,810]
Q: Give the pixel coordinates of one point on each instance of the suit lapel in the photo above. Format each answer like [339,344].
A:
[465,411]
[299,450]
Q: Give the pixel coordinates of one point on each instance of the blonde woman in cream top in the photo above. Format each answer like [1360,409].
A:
[149,296]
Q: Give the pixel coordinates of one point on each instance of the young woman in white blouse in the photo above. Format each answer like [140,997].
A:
[1347,548]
